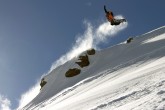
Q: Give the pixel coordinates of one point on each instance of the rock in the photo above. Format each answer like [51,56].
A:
[84,61]
[129,40]
[72,72]
[43,82]
[91,51]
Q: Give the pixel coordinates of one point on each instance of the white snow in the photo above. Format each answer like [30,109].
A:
[123,77]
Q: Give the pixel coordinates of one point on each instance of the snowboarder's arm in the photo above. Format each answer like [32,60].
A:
[112,13]
[105,9]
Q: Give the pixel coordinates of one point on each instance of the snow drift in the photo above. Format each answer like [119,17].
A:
[122,77]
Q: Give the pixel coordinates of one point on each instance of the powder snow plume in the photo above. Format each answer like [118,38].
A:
[29,95]
[91,38]
[4,103]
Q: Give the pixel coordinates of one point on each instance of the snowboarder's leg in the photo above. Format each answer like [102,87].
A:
[117,21]
[123,20]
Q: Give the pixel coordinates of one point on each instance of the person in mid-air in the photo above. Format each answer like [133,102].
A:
[111,19]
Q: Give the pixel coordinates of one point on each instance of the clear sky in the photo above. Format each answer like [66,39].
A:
[35,33]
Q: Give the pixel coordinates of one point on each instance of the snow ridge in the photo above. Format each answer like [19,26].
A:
[123,77]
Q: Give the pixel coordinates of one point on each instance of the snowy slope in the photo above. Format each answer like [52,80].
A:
[123,77]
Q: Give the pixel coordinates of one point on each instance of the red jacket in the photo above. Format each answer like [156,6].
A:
[110,16]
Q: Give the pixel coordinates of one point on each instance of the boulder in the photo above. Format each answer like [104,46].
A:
[129,40]
[84,61]
[91,51]
[72,72]
[42,83]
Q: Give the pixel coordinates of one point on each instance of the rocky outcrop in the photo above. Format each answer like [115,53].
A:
[43,82]
[83,61]
[91,51]
[129,40]
[72,72]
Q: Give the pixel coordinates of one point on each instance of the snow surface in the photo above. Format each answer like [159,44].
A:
[123,77]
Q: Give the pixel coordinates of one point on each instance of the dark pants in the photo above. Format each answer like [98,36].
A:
[117,21]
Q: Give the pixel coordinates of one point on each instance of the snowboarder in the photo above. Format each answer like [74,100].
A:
[111,19]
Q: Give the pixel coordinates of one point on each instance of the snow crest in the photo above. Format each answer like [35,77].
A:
[123,77]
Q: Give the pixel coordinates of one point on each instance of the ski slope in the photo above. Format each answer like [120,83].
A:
[123,77]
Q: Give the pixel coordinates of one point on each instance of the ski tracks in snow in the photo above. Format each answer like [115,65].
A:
[140,83]
[143,92]
[146,89]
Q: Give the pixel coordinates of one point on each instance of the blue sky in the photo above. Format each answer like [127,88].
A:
[36,33]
